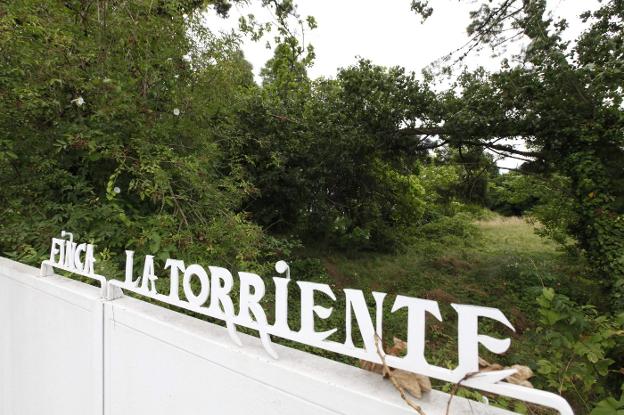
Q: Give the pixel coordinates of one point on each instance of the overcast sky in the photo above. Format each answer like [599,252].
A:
[386,32]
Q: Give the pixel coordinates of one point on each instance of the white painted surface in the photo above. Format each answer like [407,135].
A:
[163,362]
[50,344]
[157,361]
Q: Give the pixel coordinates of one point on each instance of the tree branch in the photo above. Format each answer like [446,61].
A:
[485,144]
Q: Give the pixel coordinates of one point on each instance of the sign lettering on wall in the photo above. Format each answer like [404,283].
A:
[211,297]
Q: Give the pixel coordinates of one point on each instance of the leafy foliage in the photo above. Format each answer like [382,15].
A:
[135,126]
[579,341]
[110,118]
[321,157]
[565,103]
[609,406]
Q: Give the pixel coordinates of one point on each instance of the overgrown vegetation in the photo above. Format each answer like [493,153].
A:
[135,126]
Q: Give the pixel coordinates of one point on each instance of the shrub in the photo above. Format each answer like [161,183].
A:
[581,346]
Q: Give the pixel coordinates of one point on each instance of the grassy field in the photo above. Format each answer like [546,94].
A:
[499,262]
[502,264]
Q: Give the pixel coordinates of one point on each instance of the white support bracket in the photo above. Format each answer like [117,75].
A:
[113,292]
[46,270]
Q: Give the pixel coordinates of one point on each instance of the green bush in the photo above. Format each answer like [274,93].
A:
[112,115]
[581,349]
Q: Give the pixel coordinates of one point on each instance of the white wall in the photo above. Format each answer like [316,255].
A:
[50,344]
[55,334]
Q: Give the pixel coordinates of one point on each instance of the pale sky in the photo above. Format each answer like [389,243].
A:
[386,32]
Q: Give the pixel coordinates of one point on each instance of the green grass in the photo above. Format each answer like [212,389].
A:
[500,263]
[465,270]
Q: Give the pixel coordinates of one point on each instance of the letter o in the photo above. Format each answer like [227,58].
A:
[196,300]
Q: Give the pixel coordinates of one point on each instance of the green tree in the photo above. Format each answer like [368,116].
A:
[565,103]
[111,114]
[325,157]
